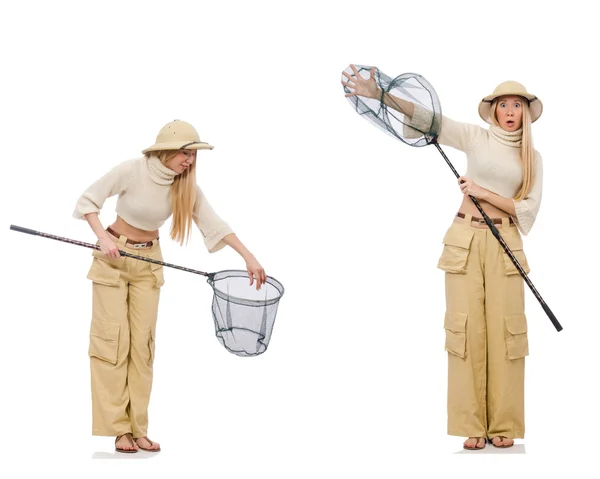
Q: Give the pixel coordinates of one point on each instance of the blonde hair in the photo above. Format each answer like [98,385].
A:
[183,197]
[527,152]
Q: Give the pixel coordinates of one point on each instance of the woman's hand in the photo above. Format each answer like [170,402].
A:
[256,272]
[469,187]
[109,248]
[367,88]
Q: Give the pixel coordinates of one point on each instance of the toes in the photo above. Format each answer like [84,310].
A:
[471,443]
[501,441]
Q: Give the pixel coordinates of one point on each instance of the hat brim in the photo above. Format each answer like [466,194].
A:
[535,107]
[176,145]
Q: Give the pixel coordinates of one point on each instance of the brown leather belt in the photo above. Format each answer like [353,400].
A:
[496,221]
[135,244]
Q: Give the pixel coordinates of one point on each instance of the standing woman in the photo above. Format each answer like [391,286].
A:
[485,323]
[125,291]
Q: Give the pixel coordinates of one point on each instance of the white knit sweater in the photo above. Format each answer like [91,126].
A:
[493,161]
[144,201]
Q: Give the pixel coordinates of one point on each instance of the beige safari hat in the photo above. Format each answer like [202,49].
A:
[178,135]
[510,88]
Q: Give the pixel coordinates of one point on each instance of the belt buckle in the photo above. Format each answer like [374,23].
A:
[481,221]
[139,245]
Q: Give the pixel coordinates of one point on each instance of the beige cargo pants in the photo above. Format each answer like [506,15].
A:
[125,296]
[486,330]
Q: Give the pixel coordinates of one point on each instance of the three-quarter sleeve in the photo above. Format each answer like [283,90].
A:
[112,183]
[527,209]
[211,225]
[456,134]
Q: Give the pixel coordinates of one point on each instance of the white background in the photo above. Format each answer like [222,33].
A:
[347,218]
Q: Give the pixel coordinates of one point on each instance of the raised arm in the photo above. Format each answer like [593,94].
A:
[418,120]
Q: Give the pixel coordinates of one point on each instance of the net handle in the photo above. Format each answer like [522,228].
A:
[21,229]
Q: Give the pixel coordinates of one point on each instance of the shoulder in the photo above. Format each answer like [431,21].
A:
[127,166]
[449,122]
[127,170]
[461,134]
[199,194]
[132,163]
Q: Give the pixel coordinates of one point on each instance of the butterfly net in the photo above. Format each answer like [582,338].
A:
[243,316]
[405,107]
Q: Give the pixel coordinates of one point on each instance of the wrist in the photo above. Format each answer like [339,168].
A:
[248,257]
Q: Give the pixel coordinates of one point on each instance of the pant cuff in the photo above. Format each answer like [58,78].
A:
[109,433]
[456,432]
[508,434]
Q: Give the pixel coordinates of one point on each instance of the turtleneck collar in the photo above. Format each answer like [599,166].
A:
[159,173]
[508,138]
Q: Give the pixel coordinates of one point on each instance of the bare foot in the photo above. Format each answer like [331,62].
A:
[125,443]
[474,443]
[502,441]
[147,444]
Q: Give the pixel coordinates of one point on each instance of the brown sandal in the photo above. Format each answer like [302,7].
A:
[130,437]
[151,443]
[476,448]
[502,438]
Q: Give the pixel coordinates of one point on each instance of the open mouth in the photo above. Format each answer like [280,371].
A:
[510,122]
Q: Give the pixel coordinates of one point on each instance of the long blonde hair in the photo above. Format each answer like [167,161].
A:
[527,152]
[183,197]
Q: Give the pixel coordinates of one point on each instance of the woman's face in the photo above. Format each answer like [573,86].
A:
[509,112]
[181,161]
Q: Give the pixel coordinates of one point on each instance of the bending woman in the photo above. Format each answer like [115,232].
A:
[126,291]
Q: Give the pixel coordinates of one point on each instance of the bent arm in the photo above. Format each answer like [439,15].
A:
[505,204]
[112,183]
[96,225]
[523,212]
[527,209]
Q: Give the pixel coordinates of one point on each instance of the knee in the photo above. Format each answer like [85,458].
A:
[143,345]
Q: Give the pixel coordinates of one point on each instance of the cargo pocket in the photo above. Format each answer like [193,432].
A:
[157,271]
[104,341]
[457,244]
[514,241]
[455,325]
[517,344]
[151,345]
[102,271]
